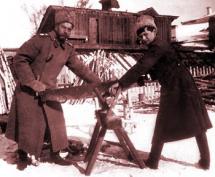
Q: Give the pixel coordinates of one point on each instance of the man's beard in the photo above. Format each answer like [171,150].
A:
[62,38]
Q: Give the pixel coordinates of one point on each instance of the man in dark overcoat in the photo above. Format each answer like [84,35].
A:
[182,113]
[37,65]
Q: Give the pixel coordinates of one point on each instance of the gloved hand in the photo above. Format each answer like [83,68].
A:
[37,86]
[141,81]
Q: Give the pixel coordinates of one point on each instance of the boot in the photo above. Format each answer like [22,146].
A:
[151,163]
[204,164]
[154,156]
[57,159]
[23,160]
[202,143]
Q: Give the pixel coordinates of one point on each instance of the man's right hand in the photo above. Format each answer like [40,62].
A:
[37,86]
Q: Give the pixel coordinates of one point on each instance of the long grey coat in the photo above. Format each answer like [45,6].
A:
[182,113]
[41,57]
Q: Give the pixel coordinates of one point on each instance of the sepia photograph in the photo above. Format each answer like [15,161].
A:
[107,88]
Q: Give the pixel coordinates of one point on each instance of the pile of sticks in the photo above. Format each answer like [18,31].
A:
[7,84]
[207,87]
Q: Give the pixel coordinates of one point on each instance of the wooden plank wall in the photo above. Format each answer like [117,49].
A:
[164,28]
[111,28]
[115,30]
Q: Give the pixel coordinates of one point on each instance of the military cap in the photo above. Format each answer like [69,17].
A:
[62,16]
[143,21]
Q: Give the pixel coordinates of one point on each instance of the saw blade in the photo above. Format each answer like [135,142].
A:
[75,92]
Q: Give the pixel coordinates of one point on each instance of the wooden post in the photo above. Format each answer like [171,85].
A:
[212,33]
[93,30]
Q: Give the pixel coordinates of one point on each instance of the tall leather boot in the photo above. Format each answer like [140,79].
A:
[23,160]
[154,155]
[57,159]
[202,143]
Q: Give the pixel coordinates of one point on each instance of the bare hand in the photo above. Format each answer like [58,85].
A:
[37,86]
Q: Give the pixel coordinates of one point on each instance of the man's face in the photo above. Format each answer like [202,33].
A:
[64,30]
[147,35]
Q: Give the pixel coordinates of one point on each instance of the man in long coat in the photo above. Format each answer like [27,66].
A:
[37,65]
[182,113]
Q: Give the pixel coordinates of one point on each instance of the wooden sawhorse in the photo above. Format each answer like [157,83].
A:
[107,120]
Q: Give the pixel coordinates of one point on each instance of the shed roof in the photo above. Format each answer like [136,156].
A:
[204,19]
[151,11]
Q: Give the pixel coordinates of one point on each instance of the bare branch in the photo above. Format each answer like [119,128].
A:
[35,15]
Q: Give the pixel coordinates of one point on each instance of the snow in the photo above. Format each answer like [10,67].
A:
[178,158]
[190,33]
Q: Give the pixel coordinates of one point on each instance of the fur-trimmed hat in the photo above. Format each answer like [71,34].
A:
[62,16]
[145,20]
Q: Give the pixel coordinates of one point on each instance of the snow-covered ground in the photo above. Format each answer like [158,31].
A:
[178,158]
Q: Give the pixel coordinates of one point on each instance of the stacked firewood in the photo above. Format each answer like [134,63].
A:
[207,87]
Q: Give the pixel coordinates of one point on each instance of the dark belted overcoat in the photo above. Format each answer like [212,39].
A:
[182,113]
[41,57]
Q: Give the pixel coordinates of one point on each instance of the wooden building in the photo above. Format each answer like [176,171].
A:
[204,35]
[99,29]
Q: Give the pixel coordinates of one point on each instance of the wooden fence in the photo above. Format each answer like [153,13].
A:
[201,71]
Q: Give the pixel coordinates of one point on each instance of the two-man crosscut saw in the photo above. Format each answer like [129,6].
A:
[75,92]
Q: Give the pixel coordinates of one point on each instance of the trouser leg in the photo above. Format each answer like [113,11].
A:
[202,143]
